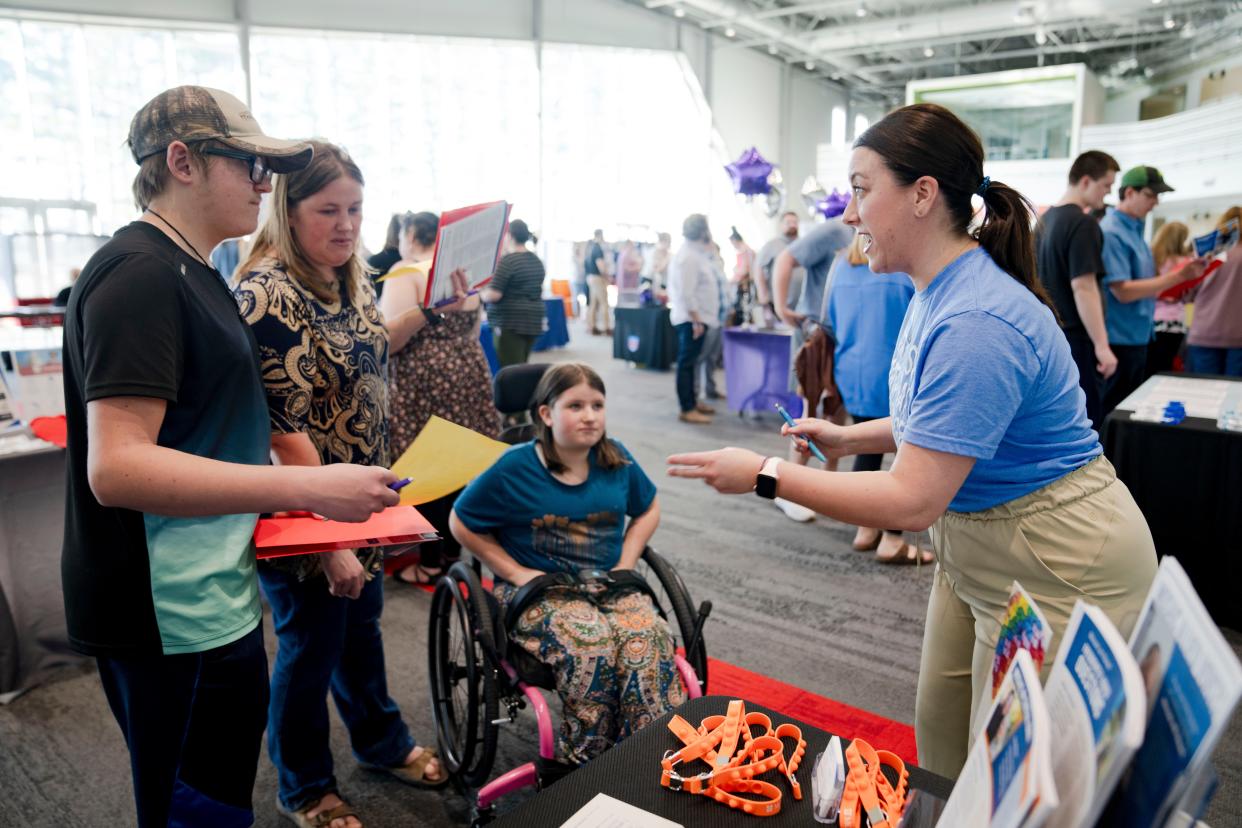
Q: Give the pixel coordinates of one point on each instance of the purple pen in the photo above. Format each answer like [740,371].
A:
[400,484]
[452,299]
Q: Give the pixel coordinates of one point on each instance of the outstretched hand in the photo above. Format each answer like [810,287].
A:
[727,470]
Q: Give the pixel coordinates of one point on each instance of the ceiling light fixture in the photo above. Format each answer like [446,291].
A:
[928,52]
[730,32]
[861,11]
[1041,36]
[1156,2]
[679,12]
[1169,22]
[772,49]
[810,65]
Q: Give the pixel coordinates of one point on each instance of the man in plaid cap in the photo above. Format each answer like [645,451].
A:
[1132,281]
[168,465]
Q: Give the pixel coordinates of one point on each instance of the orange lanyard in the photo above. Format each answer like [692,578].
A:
[868,791]
[736,756]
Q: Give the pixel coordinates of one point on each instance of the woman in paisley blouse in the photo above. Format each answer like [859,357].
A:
[323,348]
[438,369]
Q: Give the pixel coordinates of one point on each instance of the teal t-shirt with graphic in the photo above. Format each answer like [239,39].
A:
[551,526]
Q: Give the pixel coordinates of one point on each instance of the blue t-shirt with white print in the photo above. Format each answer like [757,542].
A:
[982,370]
[552,526]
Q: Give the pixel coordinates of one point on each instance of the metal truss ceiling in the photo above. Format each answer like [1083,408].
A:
[874,47]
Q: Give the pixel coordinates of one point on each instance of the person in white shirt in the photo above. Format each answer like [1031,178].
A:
[694,307]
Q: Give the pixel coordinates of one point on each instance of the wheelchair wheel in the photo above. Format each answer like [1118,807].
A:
[462,666]
[672,593]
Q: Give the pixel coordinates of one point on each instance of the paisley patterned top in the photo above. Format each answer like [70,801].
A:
[324,367]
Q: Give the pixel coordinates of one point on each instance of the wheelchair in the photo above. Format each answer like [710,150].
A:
[480,681]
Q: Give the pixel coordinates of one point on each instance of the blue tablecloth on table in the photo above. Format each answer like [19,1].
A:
[555,328]
[555,332]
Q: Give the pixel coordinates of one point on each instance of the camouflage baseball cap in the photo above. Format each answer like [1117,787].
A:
[196,113]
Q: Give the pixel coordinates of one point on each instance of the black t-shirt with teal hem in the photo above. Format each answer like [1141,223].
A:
[147,320]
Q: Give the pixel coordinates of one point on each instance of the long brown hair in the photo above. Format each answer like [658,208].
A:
[275,239]
[556,381]
[1170,242]
[1232,214]
[927,139]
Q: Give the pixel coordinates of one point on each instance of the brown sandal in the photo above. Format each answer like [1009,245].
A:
[909,554]
[424,576]
[320,820]
[415,773]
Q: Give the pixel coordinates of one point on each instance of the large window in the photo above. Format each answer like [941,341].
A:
[1016,120]
[618,139]
[434,123]
[65,107]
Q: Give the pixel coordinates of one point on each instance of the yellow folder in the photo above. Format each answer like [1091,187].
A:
[443,458]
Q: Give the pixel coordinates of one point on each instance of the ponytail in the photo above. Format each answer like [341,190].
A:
[927,139]
[1007,237]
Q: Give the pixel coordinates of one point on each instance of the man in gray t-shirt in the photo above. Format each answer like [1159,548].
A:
[815,251]
[765,259]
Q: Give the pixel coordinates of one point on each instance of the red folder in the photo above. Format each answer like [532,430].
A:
[450,217]
[304,535]
[1178,290]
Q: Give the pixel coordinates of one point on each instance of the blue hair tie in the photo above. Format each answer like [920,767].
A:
[983,187]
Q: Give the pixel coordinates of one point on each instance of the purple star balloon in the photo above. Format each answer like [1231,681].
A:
[831,206]
[750,173]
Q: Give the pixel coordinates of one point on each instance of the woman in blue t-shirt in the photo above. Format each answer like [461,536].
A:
[994,450]
[559,504]
[866,310]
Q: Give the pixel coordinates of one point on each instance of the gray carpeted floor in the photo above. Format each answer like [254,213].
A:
[791,601]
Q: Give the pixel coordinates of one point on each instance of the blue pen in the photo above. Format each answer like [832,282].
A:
[790,422]
[401,484]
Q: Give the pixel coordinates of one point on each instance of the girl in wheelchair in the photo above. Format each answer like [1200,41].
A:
[555,509]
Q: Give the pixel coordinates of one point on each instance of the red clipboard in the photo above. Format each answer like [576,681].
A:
[451,217]
[276,537]
[1178,290]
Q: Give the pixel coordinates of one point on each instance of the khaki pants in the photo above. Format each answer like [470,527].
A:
[1081,536]
[598,317]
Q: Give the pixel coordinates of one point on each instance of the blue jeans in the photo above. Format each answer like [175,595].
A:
[1223,361]
[327,643]
[688,350]
[193,723]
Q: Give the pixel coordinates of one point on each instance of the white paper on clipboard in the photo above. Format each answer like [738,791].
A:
[468,239]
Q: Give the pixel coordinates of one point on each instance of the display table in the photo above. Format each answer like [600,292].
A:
[757,370]
[644,336]
[631,772]
[33,635]
[555,329]
[1187,480]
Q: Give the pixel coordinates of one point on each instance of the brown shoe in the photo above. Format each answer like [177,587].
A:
[704,408]
[694,417]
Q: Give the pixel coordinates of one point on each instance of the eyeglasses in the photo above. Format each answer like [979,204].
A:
[260,172]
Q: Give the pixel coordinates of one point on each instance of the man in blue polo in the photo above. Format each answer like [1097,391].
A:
[1132,282]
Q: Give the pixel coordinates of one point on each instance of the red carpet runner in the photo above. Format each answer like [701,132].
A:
[724,679]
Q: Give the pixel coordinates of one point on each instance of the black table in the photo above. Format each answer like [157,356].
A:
[1187,479]
[644,336]
[631,772]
